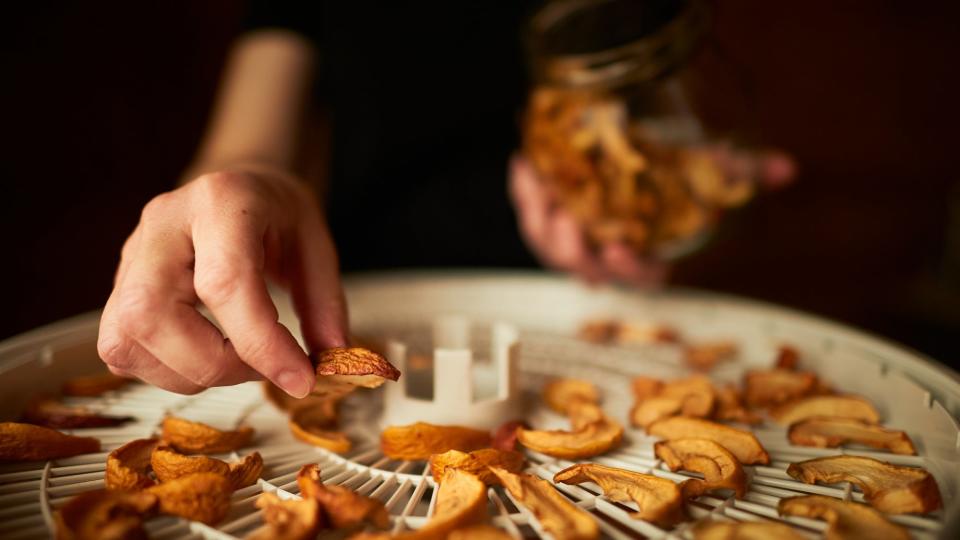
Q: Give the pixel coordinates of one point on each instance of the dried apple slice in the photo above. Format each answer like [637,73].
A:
[128,466]
[310,424]
[560,394]
[342,507]
[854,407]
[889,488]
[285,402]
[26,442]
[287,519]
[719,467]
[695,393]
[556,514]
[477,462]
[704,356]
[104,514]
[479,532]
[659,500]
[199,438]
[203,497]
[847,520]
[652,409]
[168,464]
[421,440]
[93,385]
[593,434]
[824,432]
[608,331]
[54,414]
[743,530]
[730,407]
[742,444]
[764,388]
[645,387]
[341,369]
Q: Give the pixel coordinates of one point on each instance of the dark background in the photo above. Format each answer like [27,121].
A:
[103,104]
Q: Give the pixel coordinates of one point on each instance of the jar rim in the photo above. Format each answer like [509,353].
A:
[647,57]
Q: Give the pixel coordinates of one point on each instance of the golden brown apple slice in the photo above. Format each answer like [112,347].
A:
[704,356]
[889,488]
[593,433]
[854,407]
[128,467]
[54,414]
[352,366]
[421,440]
[744,530]
[847,520]
[311,424]
[477,462]
[824,432]
[203,497]
[659,500]
[560,394]
[105,514]
[730,407]
[199,438]
[556,514]
[168,464]
[290,519]
[719,467]
[26,442]
[742,444]
[764,388]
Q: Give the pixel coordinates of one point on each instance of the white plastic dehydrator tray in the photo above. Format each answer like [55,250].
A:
[912,393]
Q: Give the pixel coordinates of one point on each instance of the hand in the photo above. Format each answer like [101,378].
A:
[558,241]
[215,241]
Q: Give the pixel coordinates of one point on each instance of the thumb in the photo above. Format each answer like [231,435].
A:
[314,275]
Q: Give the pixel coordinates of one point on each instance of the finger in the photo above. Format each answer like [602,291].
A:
[147,368]
[566,248]
[315,286]
[627,267]
[228,278]
[126,254]
[531,200]
[153,305]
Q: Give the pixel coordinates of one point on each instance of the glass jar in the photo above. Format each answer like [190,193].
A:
[610,125]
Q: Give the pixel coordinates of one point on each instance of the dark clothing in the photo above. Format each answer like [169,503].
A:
[425,100]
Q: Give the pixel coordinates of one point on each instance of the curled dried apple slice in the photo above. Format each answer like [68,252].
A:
[199,438]
[311,424]
[93,385]
[834,406]
[764,388]
[742,444]
[695,393]
[287,519]
[593,434]
[26,442]
[341,369]
[704,356]
[823,432]
[556,514]
[285,402]
[645,387]
[477,462]
[889,488]
[128,466]
[421,440]
[730,407]
[560,394]
[847,520]
[652,409]
[54,414]
[342,507]
[104,514]
[203,497]
[719,467]
[168,464]
[659,500]
[743,530]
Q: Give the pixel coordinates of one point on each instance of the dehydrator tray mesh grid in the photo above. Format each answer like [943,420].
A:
[30,493]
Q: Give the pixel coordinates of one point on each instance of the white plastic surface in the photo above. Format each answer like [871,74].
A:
[911,393]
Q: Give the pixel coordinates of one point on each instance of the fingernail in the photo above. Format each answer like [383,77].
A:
[293,383]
